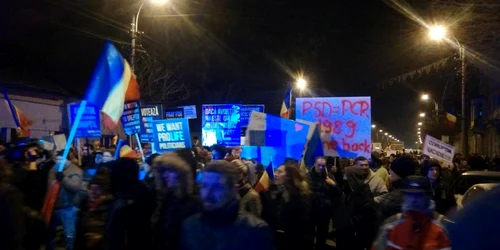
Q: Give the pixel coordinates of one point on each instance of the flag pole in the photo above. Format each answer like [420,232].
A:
[140,146]
[12,109]
[72,133]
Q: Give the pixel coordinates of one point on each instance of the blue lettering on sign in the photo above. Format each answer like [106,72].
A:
[131,118]
[149,114]
[90,123]
[171,134]
[221,124]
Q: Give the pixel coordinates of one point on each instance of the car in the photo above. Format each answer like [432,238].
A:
[475,192]
[471,178]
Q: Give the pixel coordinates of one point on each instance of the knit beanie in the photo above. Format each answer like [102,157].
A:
[404,166]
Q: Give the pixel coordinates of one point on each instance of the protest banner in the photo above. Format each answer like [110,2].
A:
[90,123]
[174,113]
[246,112]
[171,134]
[438,149]
[189,111]
[221,124]
[344,123]
[131,118]
[288,136]
[149,114]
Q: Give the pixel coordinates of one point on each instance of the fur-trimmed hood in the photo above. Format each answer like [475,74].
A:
[172,161]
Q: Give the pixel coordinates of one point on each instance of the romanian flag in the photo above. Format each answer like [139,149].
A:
[285,107]
[22,122]
[112,84]
[265,180]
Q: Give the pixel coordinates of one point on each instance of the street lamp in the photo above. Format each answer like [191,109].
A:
[386,134]
[426,97]
[418,129]
[419,124]
[373,126]
[300,84]
[422,115]
[439,33]
[134,29]
[381,131]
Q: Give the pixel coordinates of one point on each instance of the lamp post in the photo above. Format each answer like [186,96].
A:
[134,30]
[300,84]
[439,33]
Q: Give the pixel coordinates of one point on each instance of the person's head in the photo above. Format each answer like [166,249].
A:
[392,157]
[242,171]
[60,158]
[87,149]
[290,177]
[422,158]
[320,164]
[236,152]
[218,152]
[108,155]
[431,169]
[361,162]
[219,185]
[416,194]
[176,174]
[457,158]
[402,167]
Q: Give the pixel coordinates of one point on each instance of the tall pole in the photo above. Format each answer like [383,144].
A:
[465,137]
[133,34]
[291,105]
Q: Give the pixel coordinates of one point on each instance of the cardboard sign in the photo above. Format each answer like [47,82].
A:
[221,124]
[438,150]
[189,111]
[149,113]
[344,123]
[131,118]
[90,123]
[171,134]
[287,136]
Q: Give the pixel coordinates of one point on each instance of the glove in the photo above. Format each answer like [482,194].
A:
[59,176]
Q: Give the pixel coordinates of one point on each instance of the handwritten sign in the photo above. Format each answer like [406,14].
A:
[221,124]
[149,113]
[174,113]
[189,111]
[131,118]
[246,111]
[90,123]
[171,134]
[438,150]
[344,123]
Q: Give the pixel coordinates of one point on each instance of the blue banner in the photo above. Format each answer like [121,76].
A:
[131,118]
[344,123]
[173,113]
[171,134]
[189,111]
[149,114]
[90,123]
[246,111]
[221,124]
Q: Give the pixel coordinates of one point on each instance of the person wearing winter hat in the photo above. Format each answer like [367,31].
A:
[249,198]
[401,168]
[441,190]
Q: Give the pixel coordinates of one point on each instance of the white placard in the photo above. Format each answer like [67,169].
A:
[438,150]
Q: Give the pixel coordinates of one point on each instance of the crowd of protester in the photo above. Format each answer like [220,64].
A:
[211,198]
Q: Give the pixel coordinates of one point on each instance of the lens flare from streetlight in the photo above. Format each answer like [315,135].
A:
[159,2]
[301,83]
[425,97]
[437,33]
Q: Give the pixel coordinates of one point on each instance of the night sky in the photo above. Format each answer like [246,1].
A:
[237,50]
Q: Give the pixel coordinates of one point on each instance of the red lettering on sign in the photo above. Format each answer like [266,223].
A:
[321,109]
[356,146]
[352,107]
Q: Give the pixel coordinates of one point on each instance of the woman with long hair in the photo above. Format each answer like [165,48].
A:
[287,209]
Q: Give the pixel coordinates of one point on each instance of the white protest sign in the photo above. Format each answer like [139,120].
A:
[438,150]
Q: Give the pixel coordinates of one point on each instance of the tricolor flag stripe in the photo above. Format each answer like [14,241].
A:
[112,84]
[285,107]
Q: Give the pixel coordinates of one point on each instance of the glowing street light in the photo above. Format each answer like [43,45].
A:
[301,83]
[386,134]
[422,115]
[373,126]
[418,129]
[437,33]
[425,97]
[381,131]
[418,132]
[420,124]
